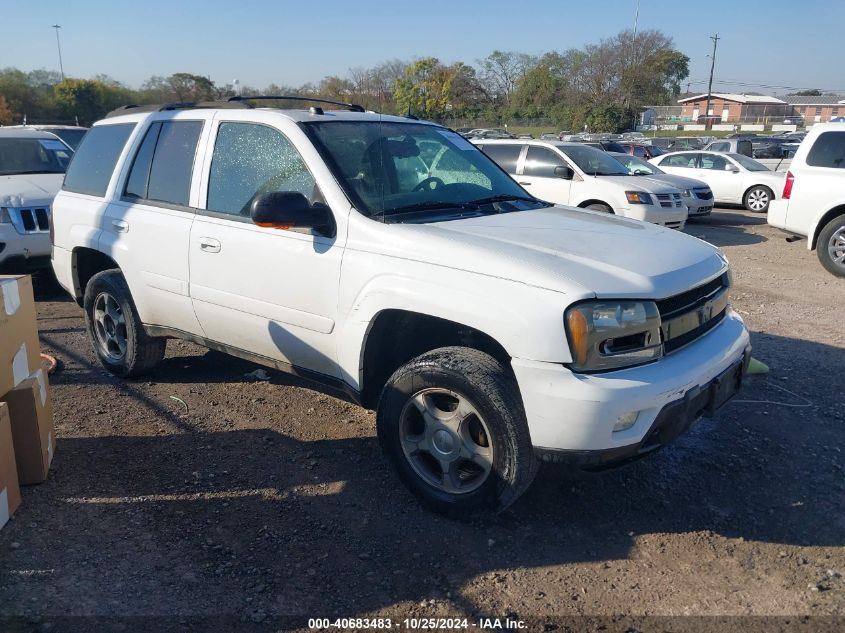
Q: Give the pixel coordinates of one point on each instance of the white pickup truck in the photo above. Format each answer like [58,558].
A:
[813,200]
[488,329]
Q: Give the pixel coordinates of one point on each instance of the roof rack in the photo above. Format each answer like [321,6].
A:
[164,107]
[353,107]
[231,102]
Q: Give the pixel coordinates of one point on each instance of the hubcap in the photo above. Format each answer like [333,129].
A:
[836,246]
[445,441]
[109,326]
[758,199]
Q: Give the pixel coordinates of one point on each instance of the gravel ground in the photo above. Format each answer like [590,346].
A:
[260,500]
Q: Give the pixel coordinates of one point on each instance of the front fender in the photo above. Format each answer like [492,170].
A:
[526,321]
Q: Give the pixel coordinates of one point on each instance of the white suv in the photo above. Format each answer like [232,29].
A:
[813,201]
[578,175]
[487,328]
[32,165]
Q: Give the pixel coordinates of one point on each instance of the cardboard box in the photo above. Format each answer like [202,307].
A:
[10,492]
[20,351]
[31,414]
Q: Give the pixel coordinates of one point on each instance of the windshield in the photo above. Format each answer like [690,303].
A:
[392,169]
[33,156]
[749,163]
[637,166]
[72,137]
[594,162]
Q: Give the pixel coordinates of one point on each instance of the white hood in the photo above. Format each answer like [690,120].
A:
[679,182]
[568,250]
[637,183]
[29,189]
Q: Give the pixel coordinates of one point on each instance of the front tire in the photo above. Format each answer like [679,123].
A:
[758,198]
[600,206]
[452,425]
[115,329]
[830,246]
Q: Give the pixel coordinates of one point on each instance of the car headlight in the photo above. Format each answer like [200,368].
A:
[686,193]
[638,197]
[613,334]
[5,217]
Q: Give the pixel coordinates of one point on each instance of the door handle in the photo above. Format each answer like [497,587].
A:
[120,226]
[209,245]
[525,184]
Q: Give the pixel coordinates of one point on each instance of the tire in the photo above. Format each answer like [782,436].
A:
[494,427]
[115,329]
[600,206]
[757,199]
[830,246]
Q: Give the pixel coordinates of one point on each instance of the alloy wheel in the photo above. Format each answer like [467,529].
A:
[109,326]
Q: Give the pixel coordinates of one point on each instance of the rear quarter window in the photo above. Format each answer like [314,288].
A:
[92,165]
[828,151]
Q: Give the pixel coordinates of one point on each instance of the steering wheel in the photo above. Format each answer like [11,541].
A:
[430,184]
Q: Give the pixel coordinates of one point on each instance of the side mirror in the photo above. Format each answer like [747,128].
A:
[290,210]
[562,171]
[732,169]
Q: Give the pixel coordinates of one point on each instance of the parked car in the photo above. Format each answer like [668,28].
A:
[71,135]
[731,145]
[549,137]
[578,175]
[734,178]
[794,120]
[696,194]
[607,146]
[32,166]
[487,328]
[643,150]
[491,133]
[813,200]
[838,119]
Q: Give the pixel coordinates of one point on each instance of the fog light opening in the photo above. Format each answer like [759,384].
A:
[626,421]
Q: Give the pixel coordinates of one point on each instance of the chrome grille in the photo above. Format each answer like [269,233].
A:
[689,315]
[669,200]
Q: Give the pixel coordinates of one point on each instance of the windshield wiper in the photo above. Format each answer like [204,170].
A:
[503,197]
[427,206]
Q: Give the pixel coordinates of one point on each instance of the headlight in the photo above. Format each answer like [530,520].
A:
[638,197]
[5,218]
[613,334]
[686,193]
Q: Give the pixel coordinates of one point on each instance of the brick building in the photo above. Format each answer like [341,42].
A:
[816,109]
[735,108]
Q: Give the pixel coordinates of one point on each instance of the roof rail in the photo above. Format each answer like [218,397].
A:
[353,107]
[164,107]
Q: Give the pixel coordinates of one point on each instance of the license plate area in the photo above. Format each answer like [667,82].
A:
[724,387]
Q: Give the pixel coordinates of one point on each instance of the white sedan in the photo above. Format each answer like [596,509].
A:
[734,178]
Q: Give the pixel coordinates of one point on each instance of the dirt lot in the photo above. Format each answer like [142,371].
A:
[265,500]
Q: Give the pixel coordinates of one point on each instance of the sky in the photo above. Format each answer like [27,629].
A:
[771,46]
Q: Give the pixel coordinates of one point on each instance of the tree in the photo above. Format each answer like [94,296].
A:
[179,88]
[501,72]
[7,117]
[87,100]
[813,92]
[425,89]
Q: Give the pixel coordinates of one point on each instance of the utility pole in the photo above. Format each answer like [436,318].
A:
[715,39]
[59,45]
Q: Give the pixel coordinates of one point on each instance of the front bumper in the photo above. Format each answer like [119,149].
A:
[698,208]
[574,412]
[674,218]
[23,251]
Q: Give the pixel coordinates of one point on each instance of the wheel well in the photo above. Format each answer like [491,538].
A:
[827,217]
[397,336]
[87,262]
[587,203]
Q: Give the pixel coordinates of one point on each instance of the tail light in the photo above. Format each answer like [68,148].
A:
[787,185]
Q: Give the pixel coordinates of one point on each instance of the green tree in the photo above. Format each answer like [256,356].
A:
[7,117]
[87,100]
[425,89]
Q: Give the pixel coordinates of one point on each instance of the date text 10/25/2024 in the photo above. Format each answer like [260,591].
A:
[417,624]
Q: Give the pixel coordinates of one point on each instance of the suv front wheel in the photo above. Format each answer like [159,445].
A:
[115,329]
[831,246]
[452,424]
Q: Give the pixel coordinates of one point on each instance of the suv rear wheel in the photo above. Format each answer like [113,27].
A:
[452,424]
[115,329]
[830,246]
